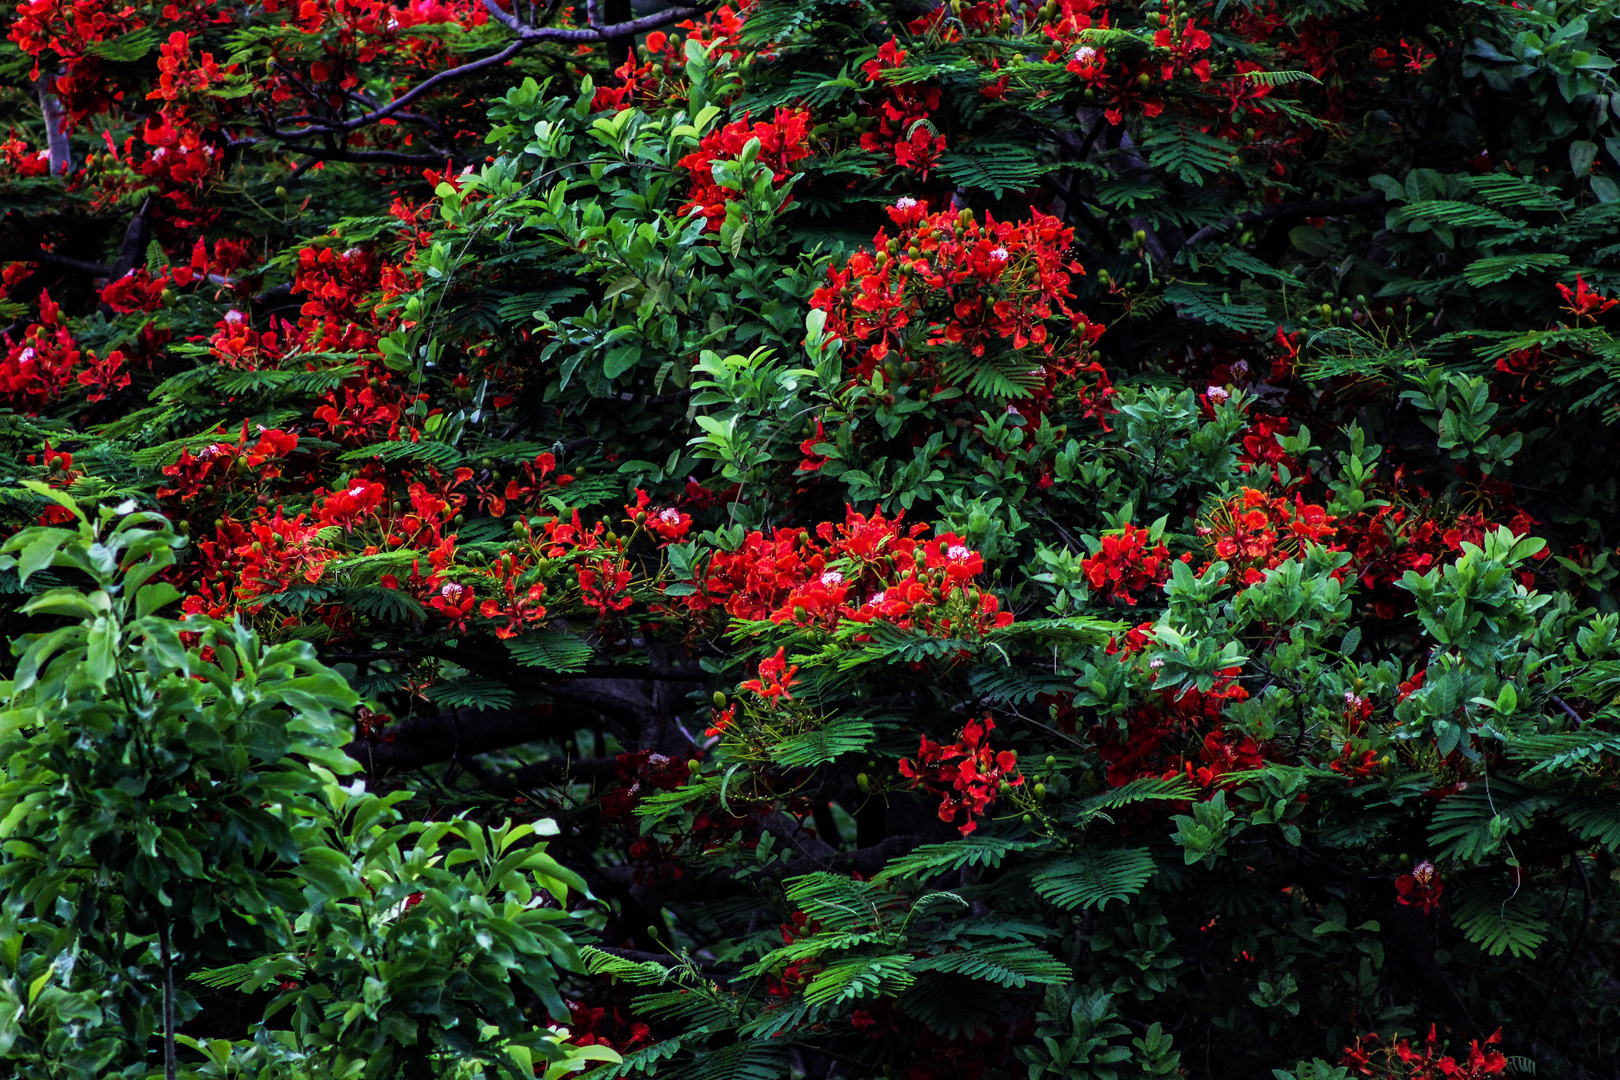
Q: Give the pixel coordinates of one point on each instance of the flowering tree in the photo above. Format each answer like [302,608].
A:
[1064,539]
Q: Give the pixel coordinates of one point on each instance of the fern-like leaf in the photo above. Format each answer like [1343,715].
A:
[1193,302]
[949,1005]
[384,604]
[741,1061]
[1496,268]
[1093,877]
[1012,965]
[1473,823]
[859,976]
[1594,818]
[472,693]
[840,735]
[1500,921]
[1565,749]
[554,650]
[1190,154]
[976,850]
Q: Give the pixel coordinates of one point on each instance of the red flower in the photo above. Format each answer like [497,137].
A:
[774,679]
[969,785]
[603,584]
[1125,566]
[1421,888]
[782,142]
[1583,303]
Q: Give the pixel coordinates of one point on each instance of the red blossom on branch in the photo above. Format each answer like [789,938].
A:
[967,775]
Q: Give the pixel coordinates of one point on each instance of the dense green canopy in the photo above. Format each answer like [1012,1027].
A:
[810,539]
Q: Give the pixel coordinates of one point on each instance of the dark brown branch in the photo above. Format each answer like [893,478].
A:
[136,237]
[1288,211]
[359,157]
[547,773]
[51,258]
[527,36]
[865,861]
[427,740]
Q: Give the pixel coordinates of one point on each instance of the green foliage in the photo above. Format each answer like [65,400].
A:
[172,796]
[922,557]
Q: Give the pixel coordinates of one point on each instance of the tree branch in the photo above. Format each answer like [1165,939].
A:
[51,258]
[56,138]
[357,157]
[544,773]
[136,237]
[427,740]
[1287,211]
[527,36]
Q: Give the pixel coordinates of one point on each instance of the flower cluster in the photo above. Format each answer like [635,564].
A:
[199,477]
[867,569]
[659,78]
[949,284]
[243,564]
[1395,1059]
[967,775]
[1124,565]
[47,362]
[595,1025]
[1256,532]
[782,142]
[902,112]
[1180,735]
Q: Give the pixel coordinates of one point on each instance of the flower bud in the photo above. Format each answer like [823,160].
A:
[719,700]
[863,782]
